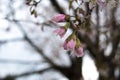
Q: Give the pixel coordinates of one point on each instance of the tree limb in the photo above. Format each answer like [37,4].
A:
[57,7]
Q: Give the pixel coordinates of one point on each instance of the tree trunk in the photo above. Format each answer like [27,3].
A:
[106,71]
[75,72]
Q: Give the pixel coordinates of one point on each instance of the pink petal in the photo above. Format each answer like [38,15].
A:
[58,18]
[65,45]
[71,44]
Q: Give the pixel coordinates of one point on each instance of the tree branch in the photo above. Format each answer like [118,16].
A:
[57,7]
[9,77]
[116,31]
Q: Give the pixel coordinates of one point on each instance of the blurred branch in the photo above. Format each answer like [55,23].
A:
[9,77]
[90,45]
[47,23]
[4,61]
[57,6]
[115,42]
[115,30]
[32,43]
[97,27]
[10,40]
[65,70]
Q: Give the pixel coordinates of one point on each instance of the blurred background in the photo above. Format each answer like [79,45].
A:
[29,50]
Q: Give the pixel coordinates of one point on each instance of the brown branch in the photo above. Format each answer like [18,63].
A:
[115,42]
[12,77]
[90,45]
[115,29]
[40,51]
[11,40]
[97,27]
[57,7]
[62,69]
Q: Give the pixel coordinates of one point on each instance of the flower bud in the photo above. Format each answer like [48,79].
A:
[58,18]
[69,45]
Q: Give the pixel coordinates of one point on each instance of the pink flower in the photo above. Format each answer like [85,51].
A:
[58,18]
[60,31]
[70,45]
[79,51]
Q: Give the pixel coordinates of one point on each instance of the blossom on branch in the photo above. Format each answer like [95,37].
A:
[59,18]
[72,43]
[69,45]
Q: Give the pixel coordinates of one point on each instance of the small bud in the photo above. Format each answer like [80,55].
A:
[69,45]
[58,18]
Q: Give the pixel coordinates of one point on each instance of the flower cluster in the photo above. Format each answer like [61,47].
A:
[79,21]
[72,42]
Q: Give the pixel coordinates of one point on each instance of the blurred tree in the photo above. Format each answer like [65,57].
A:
[95,36]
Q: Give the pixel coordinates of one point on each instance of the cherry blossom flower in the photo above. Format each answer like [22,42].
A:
[60,31]
[58,18]
[69,45]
